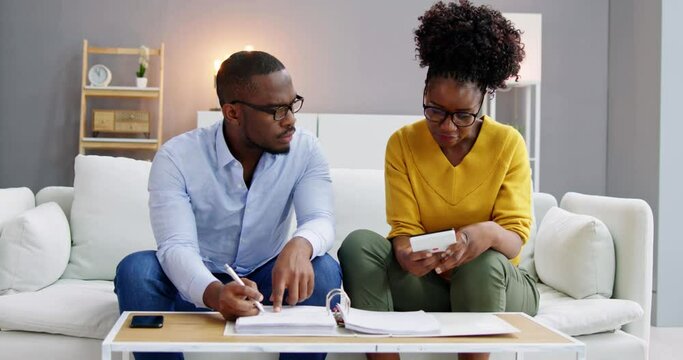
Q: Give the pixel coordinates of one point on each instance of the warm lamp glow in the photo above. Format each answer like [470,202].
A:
[216,66]
[531,26]
[218,62]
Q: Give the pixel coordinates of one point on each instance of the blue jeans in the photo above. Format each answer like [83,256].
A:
[142,285]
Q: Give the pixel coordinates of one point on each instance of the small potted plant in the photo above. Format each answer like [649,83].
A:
[143,60]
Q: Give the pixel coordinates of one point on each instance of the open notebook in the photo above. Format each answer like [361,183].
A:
[302,320]
[347,321]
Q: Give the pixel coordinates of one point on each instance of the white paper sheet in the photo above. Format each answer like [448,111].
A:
[290,320]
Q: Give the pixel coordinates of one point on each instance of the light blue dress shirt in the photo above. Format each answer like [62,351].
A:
[203,215]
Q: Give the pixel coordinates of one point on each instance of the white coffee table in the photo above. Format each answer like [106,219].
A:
[203,332]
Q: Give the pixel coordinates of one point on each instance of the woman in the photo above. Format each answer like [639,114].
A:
[452,170]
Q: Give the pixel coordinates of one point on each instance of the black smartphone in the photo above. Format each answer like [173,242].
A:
[147,321]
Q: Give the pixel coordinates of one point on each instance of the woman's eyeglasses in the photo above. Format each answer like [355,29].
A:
[458,118]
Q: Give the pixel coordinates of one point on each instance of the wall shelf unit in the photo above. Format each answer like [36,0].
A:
[88,141]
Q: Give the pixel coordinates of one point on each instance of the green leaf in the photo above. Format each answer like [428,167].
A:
[141,71]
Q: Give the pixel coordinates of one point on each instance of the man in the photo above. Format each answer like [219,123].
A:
[224,194]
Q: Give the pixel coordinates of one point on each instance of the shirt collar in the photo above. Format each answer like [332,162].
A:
[223,154]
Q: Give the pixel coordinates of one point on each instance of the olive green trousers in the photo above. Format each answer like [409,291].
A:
[374,280]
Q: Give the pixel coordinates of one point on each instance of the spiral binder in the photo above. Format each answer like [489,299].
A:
[343,306]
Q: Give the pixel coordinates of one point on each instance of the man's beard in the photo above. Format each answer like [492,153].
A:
[269,150]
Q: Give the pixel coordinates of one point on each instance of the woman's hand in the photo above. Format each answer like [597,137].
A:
[466,248]
[416,263]
[472,240]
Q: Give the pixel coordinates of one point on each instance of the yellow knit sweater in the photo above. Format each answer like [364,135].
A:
[426,193]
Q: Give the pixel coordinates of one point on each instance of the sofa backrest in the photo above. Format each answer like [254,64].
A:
[358,204]
[14,201]
[541,203]
[62,195]
[370,134]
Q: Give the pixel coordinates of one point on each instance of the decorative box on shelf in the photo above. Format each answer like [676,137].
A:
[120,121]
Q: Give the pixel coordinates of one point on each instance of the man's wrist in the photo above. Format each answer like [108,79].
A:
[304,244]
[211,295]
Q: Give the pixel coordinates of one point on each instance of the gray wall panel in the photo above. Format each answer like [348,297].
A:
[634,105]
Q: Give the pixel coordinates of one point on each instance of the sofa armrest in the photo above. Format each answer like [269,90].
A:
[631,224]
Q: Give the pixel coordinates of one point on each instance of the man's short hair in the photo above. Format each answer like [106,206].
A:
[234,78]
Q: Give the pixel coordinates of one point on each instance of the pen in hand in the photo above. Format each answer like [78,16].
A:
[237,279]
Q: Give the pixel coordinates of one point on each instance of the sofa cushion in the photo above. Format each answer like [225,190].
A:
[69,307]
[575,254]
[14,201]
[109,215]
[584,316]
[358,203]
[34,249]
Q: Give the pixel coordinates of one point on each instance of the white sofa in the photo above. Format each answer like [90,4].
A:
[68,318]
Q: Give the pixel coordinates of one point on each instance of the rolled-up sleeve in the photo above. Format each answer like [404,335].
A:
[313,203]
[175,231]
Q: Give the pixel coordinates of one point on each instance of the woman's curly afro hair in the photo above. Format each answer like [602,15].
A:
[469,44]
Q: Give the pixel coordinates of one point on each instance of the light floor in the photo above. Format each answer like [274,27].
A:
[666,343]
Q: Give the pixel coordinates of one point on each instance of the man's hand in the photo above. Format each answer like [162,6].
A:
[233,300]
[417,263]
[293,271]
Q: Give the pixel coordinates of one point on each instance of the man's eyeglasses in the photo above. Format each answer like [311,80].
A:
[458,118]
[279,112]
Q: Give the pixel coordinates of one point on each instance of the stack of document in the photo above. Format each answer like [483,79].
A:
[318,321]
[296,320]
[389,322]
